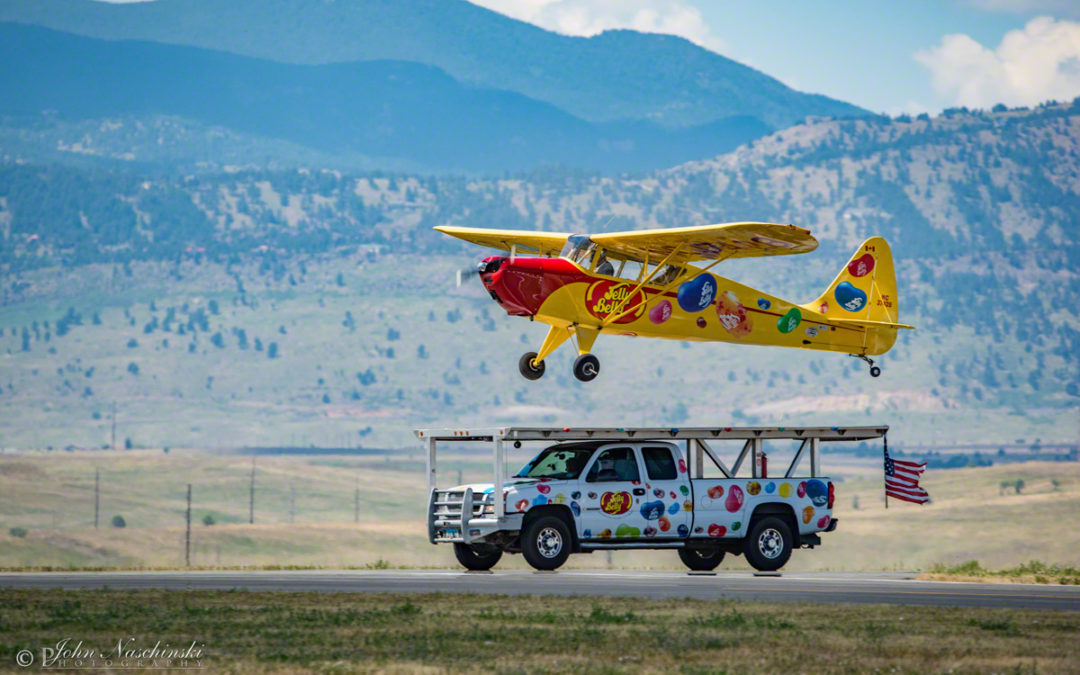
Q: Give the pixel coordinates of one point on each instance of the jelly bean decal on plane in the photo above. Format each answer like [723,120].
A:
[660,313]
[789,321]
[604,298]
[733,316]
[850,298]
[698,293]
[861,266]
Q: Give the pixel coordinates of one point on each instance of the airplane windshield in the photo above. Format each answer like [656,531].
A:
[578,249]
[558,462]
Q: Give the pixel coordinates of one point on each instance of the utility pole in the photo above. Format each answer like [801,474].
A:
[251,503]
[97,495]
[187,535]
[292,503]
[356,505]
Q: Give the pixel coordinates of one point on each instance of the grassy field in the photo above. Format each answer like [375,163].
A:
[278,632]
[306,514]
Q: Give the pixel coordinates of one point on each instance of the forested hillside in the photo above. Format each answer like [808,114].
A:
[342,273]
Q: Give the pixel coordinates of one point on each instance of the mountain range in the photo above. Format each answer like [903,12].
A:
[398,110]
[617,75]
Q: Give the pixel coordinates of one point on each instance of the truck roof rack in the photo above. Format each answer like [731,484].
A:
[697,442]
[656,433]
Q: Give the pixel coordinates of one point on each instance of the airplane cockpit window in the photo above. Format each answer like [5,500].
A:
[578,249]
[665,276]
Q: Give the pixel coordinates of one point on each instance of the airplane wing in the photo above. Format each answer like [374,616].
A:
[709,242]
[547,243]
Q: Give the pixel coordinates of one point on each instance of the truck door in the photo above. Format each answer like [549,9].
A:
[668,506]
[613,496]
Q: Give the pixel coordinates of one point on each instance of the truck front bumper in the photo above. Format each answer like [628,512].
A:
[461,520]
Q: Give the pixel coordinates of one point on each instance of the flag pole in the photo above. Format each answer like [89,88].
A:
[885,444]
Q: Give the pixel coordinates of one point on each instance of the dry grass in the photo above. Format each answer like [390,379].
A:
[51,495]
[276,632]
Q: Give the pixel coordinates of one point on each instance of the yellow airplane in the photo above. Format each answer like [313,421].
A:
[641,283]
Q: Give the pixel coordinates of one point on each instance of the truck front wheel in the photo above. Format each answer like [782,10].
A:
[701,559]
[768,545]
[545,543]
[477,557]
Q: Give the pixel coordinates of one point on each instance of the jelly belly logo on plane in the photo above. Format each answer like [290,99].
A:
[616,503]
[605,298]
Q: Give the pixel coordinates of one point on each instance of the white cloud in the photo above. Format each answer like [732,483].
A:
[1034,64]
[589,17]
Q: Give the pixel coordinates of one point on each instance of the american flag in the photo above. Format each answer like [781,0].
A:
[902,480]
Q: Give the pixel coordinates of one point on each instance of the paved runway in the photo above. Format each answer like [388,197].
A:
[886,588]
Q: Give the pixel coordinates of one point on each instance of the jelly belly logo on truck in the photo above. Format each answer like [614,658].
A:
[605,298]
[616,503]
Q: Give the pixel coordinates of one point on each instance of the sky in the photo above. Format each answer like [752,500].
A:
[897,57]
[900,56]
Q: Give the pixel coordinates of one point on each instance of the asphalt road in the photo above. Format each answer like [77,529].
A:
[885,588]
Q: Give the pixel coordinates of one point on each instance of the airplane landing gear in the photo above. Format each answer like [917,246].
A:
[874,370]
[586,367]
[530,369]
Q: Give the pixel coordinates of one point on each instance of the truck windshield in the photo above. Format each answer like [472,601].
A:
[557,462]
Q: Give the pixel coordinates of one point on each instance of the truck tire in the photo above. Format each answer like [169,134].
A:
[768,545]
[701,559]
[477,557]
[546,543]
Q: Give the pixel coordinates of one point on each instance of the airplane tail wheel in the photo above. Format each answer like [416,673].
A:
[529,370]
[586,367]
[875,371]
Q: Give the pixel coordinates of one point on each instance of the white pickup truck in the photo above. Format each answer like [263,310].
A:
[603,489]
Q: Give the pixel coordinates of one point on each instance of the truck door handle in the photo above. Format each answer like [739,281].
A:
[639,491]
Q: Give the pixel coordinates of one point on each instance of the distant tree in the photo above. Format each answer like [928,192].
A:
[421,352]
[96,319]
[326,398]
[25,339]
[214,309]
[392,334]
[258,345]
[132,343]
[119,522]
[272,350]
[340,280]
[133,368]
[208,520]
[217,340]
[128,445]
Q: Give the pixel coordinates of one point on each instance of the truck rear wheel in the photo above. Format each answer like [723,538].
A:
[477,557]
[546,542]
[701,559]
[768,545]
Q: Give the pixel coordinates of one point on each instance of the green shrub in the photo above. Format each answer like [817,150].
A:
[17,531]
[118,521]
[208,520]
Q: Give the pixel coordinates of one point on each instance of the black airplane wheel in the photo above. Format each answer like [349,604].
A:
[875,371]
[586,367]
[530,370]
